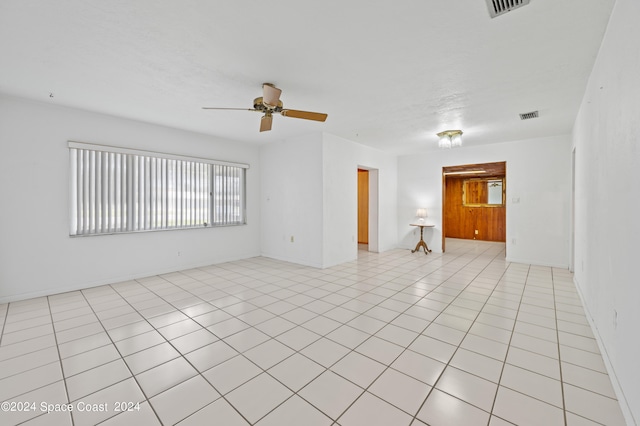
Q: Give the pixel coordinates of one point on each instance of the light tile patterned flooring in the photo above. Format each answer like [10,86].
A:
[463,338]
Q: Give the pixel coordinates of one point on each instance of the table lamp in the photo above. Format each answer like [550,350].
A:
[421,213]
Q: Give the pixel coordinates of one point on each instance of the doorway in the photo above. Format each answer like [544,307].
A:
[367,227]
[363,207]
[572,242]
[474,202]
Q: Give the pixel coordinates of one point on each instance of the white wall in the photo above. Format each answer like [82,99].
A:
[310,191]
[607,141]
[538,175]
[38,257]
[291,200]
[341,159]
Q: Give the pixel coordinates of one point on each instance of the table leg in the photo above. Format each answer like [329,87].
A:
[421,244]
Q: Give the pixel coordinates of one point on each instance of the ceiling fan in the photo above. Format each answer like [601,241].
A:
[270,103]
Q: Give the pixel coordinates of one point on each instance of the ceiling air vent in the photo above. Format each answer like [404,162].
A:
[529,115]
[500,7]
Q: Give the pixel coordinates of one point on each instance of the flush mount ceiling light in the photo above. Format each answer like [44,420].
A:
[450,138]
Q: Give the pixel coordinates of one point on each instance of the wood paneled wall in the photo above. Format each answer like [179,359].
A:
[363,206]
[461,221]
[477,192]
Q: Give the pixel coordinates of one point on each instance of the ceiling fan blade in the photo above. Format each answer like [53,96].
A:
[305,115]
[270,94]
[232,109]
[265,122]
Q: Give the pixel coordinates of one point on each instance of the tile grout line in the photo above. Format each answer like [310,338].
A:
[555,313]
[296,393]
[4,322]
[59,361]
[64,380]
[351,351]
[181,356]
[274,337]
[123,361]
[448,363]
[506,355]
[120,296]
[335,282]
[206,328]
[418,334]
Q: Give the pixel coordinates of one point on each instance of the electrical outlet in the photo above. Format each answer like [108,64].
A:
[179,254]
[513,241]
[476,232]
[292,238]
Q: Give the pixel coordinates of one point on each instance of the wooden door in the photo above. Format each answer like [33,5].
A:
[363,206]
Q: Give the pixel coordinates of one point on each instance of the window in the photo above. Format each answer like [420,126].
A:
[120,190]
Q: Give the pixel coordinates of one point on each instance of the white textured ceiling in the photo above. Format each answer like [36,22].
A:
[390,74]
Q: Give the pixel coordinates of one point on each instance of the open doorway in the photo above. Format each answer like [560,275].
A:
[367,209]
[474,202]
[572,242]
[363,209]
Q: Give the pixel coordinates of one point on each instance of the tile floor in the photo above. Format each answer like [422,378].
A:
[463,338]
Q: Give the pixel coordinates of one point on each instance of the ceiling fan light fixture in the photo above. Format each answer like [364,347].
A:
[449,139]
[271,95]
[269,103]
[444,142]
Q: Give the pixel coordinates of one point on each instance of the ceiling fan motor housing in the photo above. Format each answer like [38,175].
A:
[258,104]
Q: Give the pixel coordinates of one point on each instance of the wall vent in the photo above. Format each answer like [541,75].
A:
[500,7]
[529,115]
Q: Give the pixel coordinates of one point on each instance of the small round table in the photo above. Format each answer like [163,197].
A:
[421,243]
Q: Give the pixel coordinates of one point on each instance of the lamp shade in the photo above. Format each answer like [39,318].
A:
[421,213]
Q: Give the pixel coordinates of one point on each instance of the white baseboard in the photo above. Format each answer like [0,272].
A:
[118,279]
[535,262]
[622,400]
[295,260]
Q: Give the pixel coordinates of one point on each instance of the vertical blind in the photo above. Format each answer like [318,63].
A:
[117,190]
